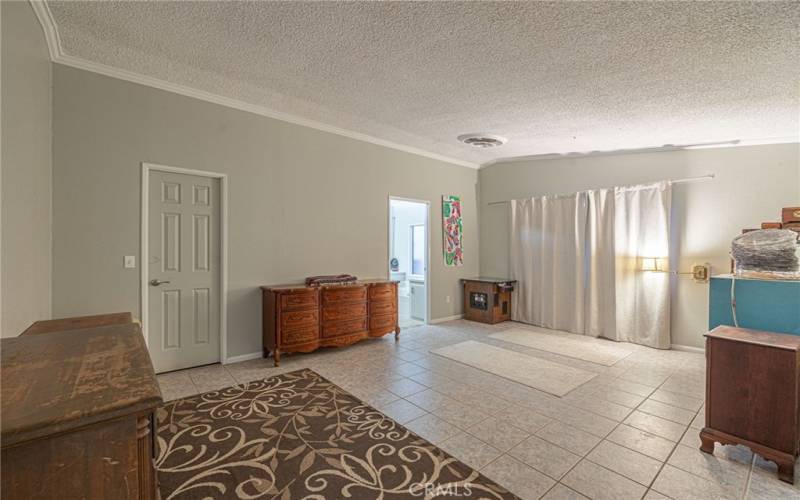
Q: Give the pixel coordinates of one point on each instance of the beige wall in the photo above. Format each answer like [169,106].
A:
[751,186]
[26,169]
[302,202]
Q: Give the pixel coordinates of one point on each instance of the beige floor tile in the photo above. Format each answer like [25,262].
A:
[179,377]
[587,421]
[401,411]
[731,475]
[602,407]
[666,411]
[644,442]
[545,457]
[602,484]
[693,389]
[432,428]
[517,477]
[679,484]
[628,463]
[568,437]
[656,425]
[679,400]
[461,416]
[654,495]
[429,399]
[498,433]
[699,421]
[765,485]
[408,369]
[381,398]
[483,401]
[405,387]
[561,492]
[523,418]
[632,387]
[470,450]
[178,391]
[620,397]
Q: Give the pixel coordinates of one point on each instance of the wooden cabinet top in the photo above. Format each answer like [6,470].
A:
[300,286]
[77,323]
[54,382]
[768,339]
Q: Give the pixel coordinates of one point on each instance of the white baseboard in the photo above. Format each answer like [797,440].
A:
[445,319]
[687,348]
[242,357]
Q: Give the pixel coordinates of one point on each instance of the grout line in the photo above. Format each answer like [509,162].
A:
[750,473]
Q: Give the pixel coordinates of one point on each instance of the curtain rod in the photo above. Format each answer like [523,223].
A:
[674,181]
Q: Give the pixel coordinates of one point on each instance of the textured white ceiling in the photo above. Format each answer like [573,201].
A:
[551,77]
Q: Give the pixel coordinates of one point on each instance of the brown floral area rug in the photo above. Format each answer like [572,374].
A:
[297,435]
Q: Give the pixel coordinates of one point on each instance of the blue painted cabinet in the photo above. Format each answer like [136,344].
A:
[768,305]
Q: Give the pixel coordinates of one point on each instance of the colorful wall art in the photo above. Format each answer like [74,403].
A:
[452,230]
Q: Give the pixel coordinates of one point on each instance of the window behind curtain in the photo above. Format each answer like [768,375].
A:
[418,250]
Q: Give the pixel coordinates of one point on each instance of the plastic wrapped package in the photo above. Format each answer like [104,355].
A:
[767,253]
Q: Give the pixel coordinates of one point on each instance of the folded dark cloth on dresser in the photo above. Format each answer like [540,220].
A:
[328,279]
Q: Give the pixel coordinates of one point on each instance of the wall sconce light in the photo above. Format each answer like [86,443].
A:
[653,264]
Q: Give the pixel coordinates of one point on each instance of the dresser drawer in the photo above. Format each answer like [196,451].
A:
[299,335]
[382,321]
[298,319]
[343,327]
[344,311]
[344,294]
[306,299]
[383,307]
[377,292]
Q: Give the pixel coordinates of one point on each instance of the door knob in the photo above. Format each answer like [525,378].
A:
[155,282]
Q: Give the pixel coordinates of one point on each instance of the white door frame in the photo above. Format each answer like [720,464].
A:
[427,204]
[144,260]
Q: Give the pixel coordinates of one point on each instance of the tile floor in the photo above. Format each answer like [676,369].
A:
[631,432]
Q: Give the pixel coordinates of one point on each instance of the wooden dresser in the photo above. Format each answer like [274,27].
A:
[77,413]
[753,393]
[299,318]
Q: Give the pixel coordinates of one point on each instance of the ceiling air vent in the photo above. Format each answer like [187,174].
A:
[482,140]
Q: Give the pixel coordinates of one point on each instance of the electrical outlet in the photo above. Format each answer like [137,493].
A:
[447,299]
[701,272]
[129,262]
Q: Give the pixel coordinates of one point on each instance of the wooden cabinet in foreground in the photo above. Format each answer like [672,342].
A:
[753,393]
[299,318]
[78,408]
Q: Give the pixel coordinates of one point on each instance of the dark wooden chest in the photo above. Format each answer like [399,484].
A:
[78,409]
[753,393]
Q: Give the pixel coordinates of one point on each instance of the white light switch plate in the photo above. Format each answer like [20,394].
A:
[129,262]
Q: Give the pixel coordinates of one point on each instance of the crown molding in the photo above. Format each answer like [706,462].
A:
[658,149]
[58,56]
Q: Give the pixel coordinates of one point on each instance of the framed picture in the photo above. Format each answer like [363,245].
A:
[452,230]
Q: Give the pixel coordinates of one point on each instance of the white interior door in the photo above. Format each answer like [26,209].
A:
[184,270]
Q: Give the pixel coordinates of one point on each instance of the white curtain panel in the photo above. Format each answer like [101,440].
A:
[641,231]
[548,261]
[601,278]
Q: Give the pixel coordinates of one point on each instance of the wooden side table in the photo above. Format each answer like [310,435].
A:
[487,300]
[752,394]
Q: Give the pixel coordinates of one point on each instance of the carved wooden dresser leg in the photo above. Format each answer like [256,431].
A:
[706,443]
[786,471]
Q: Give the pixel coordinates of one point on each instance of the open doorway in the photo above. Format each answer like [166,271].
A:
[408,258]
